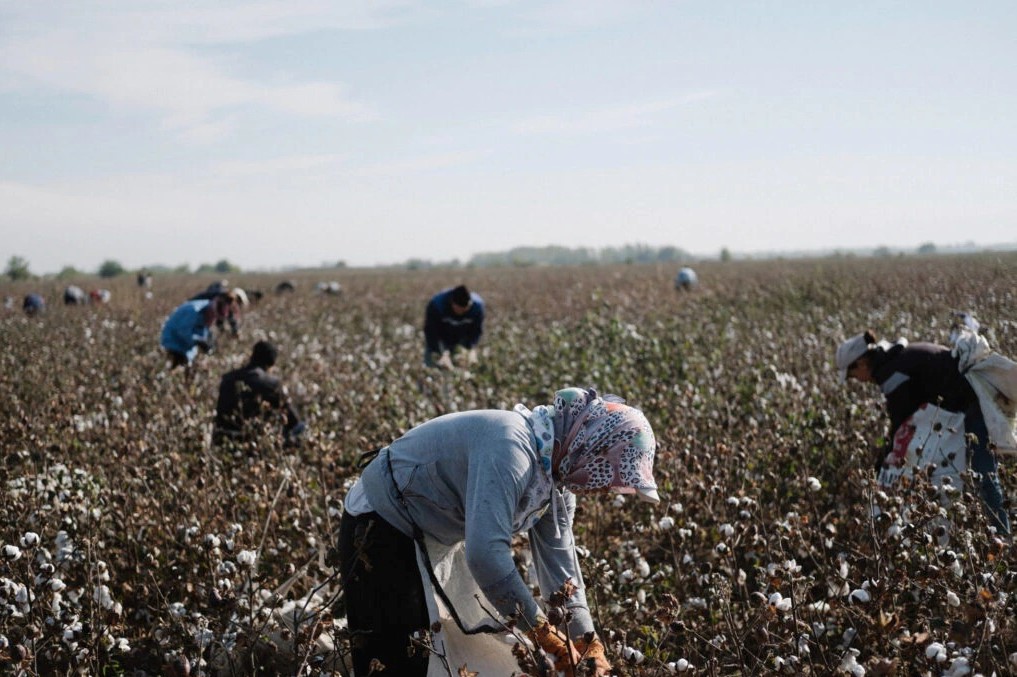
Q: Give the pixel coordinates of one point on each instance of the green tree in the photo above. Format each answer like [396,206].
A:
[17,268]
[224,266]
[68,271]
[725,254]
[927,248]
[110,268]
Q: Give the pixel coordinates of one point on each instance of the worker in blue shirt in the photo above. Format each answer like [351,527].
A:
[454,319]
[188,329]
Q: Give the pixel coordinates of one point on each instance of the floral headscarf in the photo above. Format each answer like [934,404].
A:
[601,443]
[587,442]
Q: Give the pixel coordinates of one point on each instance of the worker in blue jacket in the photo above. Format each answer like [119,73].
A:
[454,319]
[188,329]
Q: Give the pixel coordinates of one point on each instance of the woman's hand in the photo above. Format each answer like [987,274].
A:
[554,643]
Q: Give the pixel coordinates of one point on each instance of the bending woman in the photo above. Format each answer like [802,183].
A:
[479,477]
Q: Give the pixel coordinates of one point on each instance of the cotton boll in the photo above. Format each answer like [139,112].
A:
[935,652]
[859,596]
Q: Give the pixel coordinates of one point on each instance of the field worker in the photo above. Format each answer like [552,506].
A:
[74,296]
[250,393]
[235,299]
[189,329]
[686,279]
[911,375]
[33,304]
[454,319]
[477,478]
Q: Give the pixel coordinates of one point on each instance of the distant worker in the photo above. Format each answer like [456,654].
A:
[236,299]
[686,279]
[74,296]
[100,296]
[454,319]
[33,304]
[188,329]
[250,394]
[144,279]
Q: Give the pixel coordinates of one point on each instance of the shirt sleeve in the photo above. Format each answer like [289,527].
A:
[492,495]
[555,560]
[432,322]
[477,326]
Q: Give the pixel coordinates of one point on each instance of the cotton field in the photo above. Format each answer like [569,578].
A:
[130,545]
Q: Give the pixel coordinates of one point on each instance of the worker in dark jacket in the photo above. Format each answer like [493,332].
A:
[914,374]
[454,319]
[251,393]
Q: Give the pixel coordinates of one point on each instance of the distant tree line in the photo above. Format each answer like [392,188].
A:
[557,255]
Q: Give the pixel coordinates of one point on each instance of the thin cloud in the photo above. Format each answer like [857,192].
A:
[631,116]
[281,165]
[144,57]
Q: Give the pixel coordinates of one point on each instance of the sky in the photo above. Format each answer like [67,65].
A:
[299,132]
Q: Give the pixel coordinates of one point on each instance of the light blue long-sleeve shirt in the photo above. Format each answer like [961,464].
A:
[462,477]
[185,328]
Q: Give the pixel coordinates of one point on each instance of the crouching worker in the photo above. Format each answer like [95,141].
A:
[453,319]
[188,330]
[913,377]
[250,394]
[472,480]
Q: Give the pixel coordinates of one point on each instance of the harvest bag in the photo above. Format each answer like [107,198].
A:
[931,436]
[994,379]
[488,654]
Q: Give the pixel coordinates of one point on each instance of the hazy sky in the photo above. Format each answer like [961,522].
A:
[303,131]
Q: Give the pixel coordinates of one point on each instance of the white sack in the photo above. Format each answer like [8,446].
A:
[931,436]
[488,654]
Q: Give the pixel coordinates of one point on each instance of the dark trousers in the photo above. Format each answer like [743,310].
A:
[983,461]
[384,595]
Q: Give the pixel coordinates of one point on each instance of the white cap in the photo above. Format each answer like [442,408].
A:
[848,352]
[648,495]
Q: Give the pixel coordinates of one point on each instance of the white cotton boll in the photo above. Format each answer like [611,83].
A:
[814,484]
[958,668]
[666,523]
[643,568]
[29,539]
[779,602]
[859,596]
[677,508]
[952,599]
[633,655]
[619,500]
[177,609]
[56,585]
[211,541]
[849,664]
[1012,658]
[11,552]
[101,595]
[721,548]
[641,596]
[247,558]
[727,530]
[627,575]
[935,652]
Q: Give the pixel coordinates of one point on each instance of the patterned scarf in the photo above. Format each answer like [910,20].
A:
[588,443]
